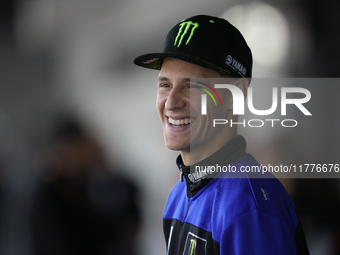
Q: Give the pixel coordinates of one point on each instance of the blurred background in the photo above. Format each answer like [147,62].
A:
[83,166]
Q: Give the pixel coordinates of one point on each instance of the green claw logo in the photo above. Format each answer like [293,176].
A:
[192,247]
[186,26]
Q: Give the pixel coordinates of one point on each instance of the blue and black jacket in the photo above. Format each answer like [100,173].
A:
[231,213]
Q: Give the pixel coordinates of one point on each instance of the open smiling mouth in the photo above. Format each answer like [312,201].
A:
[181,122]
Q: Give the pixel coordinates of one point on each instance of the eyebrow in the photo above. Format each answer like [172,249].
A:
[162,78]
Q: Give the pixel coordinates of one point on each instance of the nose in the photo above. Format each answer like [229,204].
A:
[176,100]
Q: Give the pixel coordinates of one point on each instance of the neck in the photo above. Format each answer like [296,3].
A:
[197,154]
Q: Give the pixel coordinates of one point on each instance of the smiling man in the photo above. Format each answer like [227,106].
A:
[178,104]
[215,212]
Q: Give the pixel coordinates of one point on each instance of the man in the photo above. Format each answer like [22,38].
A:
[215,213]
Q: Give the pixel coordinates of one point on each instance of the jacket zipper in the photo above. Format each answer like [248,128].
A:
[186,215]
[181,177]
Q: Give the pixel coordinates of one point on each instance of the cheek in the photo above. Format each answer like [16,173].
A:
[195,102]
[160,103]
[226,98]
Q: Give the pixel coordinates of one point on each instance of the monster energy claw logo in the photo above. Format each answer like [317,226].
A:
[192,247]
[186,26]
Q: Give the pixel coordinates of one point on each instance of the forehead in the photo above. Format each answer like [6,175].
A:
[172,68]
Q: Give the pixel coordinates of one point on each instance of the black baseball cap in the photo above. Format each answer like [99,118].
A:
[206,41]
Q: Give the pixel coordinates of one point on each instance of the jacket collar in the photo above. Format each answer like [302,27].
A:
[229,153]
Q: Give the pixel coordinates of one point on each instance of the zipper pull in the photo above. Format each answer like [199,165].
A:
[181,178]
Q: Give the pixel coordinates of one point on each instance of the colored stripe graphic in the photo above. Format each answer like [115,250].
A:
[209,94]
[211,88]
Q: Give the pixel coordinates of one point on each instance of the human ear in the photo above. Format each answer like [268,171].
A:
[243,85]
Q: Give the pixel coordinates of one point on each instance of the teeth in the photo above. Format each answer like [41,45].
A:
[180,122]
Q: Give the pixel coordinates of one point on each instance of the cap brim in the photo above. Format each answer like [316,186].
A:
[154,61]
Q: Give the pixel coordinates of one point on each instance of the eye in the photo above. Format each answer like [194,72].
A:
[164,85]
[195,87]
